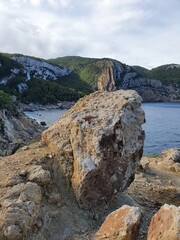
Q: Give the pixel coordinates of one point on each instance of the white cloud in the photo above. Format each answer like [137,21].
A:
[143,32]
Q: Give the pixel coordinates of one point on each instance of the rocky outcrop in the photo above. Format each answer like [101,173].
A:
[111,72]
[170,160]
[20,211]
[165,224]
[99,141]
[172,154]
[116,75]
[26,68]
[15,131]
[39,69]
[122,224]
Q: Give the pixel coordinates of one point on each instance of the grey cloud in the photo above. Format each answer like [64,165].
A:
[143,32]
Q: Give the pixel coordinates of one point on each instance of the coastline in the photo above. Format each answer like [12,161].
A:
[31,107]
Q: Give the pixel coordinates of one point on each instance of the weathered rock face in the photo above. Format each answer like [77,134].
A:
[122,224]
[111,71]
[41,69]
[172,154]
[99,141]
[170,160]
[16,131]
[165,224]
[116,75]
[20,211]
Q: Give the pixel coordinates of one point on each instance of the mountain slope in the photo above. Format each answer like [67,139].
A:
[35,80]
[168,74]
[69,78]
[108,74]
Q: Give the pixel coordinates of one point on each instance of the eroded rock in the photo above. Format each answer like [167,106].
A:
[165,224]
[122,224]
[39,175]
[99,141]
[171,154]
[20,209]
[170,160]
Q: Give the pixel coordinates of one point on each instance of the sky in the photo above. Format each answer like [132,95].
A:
[135,32]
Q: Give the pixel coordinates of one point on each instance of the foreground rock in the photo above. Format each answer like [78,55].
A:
[122,224]
[99,142]
[165,224]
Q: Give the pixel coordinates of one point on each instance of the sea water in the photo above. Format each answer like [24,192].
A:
[162,127]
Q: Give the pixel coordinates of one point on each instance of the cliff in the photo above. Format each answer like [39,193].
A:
[116,75]
[16,131]
[70,78]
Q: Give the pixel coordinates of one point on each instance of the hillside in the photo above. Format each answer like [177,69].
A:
[168,74]
[35,80]
[70,78]
[108,74]
[86,69]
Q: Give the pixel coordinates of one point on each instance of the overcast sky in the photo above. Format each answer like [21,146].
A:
[136,32]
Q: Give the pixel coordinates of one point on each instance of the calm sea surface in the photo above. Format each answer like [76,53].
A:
[162,125]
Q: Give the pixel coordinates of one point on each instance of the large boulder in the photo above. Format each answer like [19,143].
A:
[165,224]
[99,142]
[122,224]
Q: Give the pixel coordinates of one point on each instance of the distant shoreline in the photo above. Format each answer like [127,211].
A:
[37,107]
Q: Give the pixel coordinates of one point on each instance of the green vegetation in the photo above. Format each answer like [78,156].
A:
[6,102]
[152,155]
[86,70]
[168,74]
[43,91]
[82,81]
[6,64]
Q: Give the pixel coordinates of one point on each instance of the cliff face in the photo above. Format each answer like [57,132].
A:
[15,131]
[80,76]
[116,75]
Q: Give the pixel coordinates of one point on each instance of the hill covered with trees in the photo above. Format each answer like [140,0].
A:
[32,79]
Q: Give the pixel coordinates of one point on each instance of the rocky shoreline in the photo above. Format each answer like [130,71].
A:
[31,107]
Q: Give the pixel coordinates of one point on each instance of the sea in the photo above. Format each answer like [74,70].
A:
[162,127]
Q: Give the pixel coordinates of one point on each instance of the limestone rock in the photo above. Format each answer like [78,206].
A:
[20,209]
[12,232]
[171,154]
[99,142]
[122,224]
[39,175]
[116,75]
[170,160]
[144,163]
[165,224]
